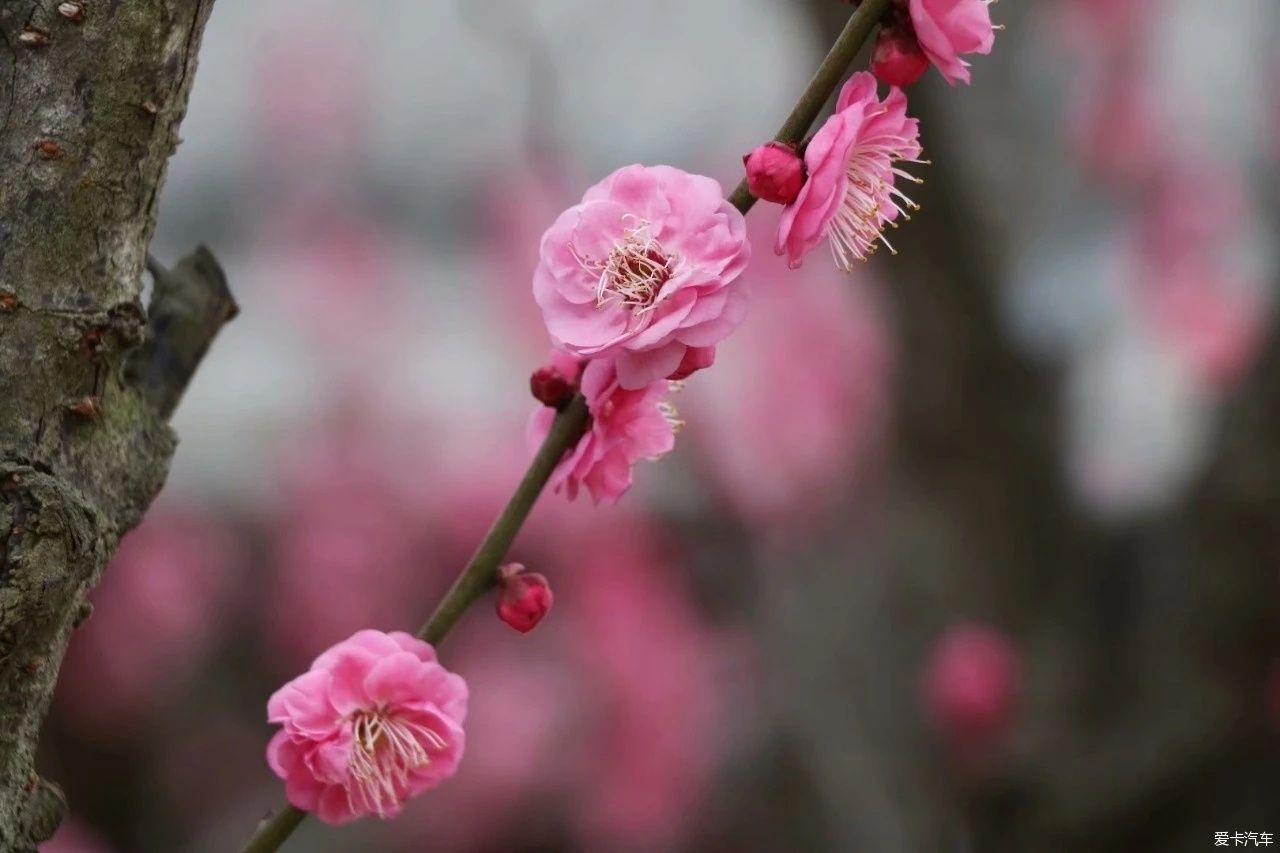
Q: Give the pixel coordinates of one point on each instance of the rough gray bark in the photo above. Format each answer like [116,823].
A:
[91,95]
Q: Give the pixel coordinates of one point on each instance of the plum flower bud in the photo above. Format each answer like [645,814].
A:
[554,383]
[526,597]
[775,172]
[374,722]
[550,387]
[898,59]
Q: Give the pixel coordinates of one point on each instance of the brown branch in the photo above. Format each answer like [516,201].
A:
[477,577]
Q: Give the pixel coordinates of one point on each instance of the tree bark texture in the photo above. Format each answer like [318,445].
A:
[91,95]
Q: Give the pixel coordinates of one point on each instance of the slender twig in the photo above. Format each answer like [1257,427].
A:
[823,84]
[478,576]
[480,573]
[474,580]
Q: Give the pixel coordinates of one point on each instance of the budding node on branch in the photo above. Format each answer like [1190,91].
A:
[89,408]
[550,387]
[525,597]
[32,37]
[73,12]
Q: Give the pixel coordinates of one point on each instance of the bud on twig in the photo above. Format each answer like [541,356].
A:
[525,597]
[897,58]
[775,172]
[550,387]
[555,383]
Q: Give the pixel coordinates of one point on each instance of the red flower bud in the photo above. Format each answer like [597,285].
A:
[897,58]
[550,387]
[774,172]
[526,597]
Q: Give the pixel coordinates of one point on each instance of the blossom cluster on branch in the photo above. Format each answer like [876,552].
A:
[637,285]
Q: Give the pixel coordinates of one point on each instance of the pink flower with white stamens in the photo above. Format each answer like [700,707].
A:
[374,722]
[946,29]
[852,160]
[645,267]
[626,427]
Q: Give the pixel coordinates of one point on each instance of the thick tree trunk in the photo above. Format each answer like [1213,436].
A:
[91,94]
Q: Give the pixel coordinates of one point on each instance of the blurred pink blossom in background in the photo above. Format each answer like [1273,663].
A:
[158,613]
[353,538]
[73,837]
[652,662]
[799,397]
[970,686]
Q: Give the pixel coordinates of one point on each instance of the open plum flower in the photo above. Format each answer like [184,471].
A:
[375,721]
[852,161]
[946,29]
[644,269]
[627,425]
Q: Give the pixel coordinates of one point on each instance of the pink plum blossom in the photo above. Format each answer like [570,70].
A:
[626,427]
[946,29]
[850,195]
[375,721]
[645,267]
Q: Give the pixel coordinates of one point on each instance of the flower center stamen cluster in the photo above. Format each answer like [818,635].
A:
[857,229]
[634,272]
[385,751]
